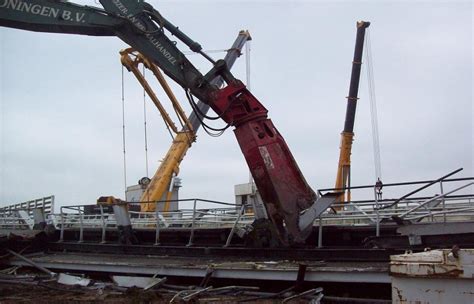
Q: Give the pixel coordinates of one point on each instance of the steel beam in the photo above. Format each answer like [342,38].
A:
[107,264]
[326,254]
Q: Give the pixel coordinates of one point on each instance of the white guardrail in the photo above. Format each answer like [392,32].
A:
[452,206]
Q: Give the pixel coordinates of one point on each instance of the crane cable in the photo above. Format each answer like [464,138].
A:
[145,126]
[123,134]
[373,107]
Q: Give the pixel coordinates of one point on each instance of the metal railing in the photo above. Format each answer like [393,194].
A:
[15,220]
[201,215]
[47,203]
[454,205]
[21,216]
[450,200]
[75,217]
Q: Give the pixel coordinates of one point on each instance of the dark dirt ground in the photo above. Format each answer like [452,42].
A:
[57,293]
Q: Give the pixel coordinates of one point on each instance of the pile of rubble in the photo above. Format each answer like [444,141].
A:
[52,287]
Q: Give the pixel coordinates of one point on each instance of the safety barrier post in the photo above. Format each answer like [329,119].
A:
[377,213]
[320,233]
[39,219]
[103,223]
[61,235]
[191,237]
[443,201]
[52,205]
[81,226]
[157,233]
[232,231]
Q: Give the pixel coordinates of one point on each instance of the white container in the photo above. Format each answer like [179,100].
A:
[437,276]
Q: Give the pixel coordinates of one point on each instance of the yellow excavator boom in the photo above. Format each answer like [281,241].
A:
[160,186]
[160,183]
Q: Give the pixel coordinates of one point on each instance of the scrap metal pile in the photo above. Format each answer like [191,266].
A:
[20,284]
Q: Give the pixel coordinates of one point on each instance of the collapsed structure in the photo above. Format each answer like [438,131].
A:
[290,206]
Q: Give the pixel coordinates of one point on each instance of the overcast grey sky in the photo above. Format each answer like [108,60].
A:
[61,114]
